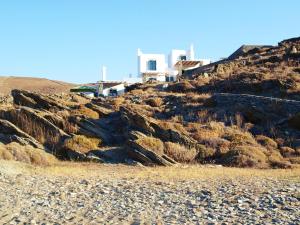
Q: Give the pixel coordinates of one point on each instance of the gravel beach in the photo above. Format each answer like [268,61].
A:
[105,196]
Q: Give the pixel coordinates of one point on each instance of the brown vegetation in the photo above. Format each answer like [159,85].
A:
[180,153]
[154,102]
[82,110]
[27,154]
[152,143]
[82,144]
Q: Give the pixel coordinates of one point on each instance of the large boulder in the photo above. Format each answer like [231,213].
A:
[11,133]
[149,126]
[33,100]
[33,123]
[141,151]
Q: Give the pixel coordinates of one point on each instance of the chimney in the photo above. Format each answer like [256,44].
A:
[139,52]
[103,73]
[192,52]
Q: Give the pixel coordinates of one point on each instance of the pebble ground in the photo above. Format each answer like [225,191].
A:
[34,198]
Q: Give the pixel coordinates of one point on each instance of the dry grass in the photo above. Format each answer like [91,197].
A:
[81,143]
[117,102]
[164,174]
[34,128]
[172,126]
[246,156]
[197,98]
[239,137]
[26,154]
[266,142]
[202,132]
[287,151]
[152,143]
[82,110]
[180,153]
[155,102]
[181,87]
[137,92]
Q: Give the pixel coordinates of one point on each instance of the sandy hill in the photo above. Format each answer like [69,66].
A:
[32,84]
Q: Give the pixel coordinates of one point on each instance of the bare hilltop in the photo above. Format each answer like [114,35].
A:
[41,85]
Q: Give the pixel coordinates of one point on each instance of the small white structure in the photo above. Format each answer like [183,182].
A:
[104,70]
[154,66]
[111,88]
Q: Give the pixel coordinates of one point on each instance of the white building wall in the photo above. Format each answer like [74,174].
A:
[143,60]
[161,65]
[120,89]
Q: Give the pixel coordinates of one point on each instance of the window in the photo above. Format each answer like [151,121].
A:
[182,57]
[152,65]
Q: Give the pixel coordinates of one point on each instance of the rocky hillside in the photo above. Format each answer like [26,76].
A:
[243,112]
[269,71]
[7,84]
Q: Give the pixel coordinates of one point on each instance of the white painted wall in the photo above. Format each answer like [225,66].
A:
[162,66]
[143,60]
[132,80]
[174,56]
[120,89]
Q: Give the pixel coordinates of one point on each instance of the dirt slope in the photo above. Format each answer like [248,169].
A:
[32,84]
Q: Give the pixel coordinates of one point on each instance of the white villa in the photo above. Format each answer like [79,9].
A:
[155,66]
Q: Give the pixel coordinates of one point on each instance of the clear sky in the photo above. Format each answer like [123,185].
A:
[71,39]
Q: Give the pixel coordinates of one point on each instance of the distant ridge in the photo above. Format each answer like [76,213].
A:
[42,85]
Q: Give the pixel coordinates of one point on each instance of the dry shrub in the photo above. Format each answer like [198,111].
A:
[239,121]
[177,119]
[180,153]
[295,160]
[155,144]
[81,143]
[200,81]
[276,160]
[246,156]
[117,102]
[203,134]
[197,98]
[287,151]
[70,128]
[266,142]
[204,116]
[34,128]
[27,154]
[219,144]
[63,113]
[172,126]
[181,87]
[137,92]
[4,153]
[205,153]
[210,130]
[238,137]
[155,102]
[82,110]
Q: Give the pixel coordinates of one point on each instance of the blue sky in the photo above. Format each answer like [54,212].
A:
[71,39]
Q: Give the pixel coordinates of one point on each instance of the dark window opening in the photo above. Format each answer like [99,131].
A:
[152,65]
[182,57]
